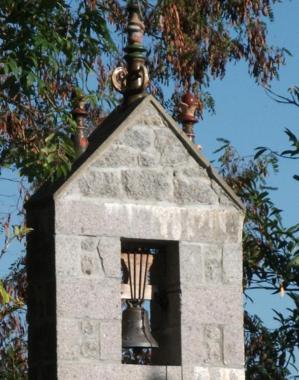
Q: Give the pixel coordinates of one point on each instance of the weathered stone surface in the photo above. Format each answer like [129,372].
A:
[89,243]
[109,255]
[150,117]
[90,265]
[170,149]
[141,372]
[153,119]
[110,338]
[223,198]
[191,264]
[78,340]
[68,253]
[117,156]
[212,305]
[148,159]
[202,345]
[213,264]
[137,137]
[233,339]
[90,349]
[196,373]
[90,262]
[89,339]
[90,256]
[212,344]
[232,264]
[101,183]
[192,344]
[80,298]
[235,225]
[149,144]
[96,371]
[201,373]
[174,373]
[191,169]
[193,190]
[74,371]
[91,217]
[148,184]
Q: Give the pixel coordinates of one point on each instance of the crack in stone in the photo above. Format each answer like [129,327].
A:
[101,260]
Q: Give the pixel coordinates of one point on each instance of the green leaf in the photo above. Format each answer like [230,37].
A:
[30,79]
[20,231]
[50,137]
[294,262]
[287,52]
[11,66]
[291,135]
[260,151]
[4,295]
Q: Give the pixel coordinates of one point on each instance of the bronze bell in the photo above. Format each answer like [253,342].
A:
[136,329]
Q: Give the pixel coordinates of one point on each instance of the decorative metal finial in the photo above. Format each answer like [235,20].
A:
[133,79]
[79,113]
[189,104]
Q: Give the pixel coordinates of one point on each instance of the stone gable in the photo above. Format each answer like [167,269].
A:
[146,161]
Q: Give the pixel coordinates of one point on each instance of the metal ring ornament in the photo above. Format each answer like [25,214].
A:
[145,77]
[119,79]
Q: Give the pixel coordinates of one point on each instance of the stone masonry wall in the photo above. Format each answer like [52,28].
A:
[146,185]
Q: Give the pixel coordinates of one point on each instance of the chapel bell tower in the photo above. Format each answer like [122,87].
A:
[135,259]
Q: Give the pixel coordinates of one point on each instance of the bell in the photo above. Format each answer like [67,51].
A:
[135,329]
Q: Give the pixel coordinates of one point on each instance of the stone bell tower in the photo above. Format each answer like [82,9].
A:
[135,259]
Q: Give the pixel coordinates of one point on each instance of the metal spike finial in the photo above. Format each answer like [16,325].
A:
[133,79]
[189,104]
[79,113]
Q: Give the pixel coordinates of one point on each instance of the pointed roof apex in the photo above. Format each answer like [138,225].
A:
[110,129]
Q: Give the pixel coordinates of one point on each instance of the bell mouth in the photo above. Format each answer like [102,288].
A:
[136,331]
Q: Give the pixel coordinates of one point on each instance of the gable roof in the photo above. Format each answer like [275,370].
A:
[111,127]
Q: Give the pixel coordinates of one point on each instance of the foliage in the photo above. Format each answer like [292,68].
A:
[48,49]
[13,327]
[270,263]
[266,350]
[293,153]
[269,353]
[51,48]
[199,38]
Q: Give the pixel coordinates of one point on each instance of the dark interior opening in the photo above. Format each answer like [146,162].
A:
[162,297]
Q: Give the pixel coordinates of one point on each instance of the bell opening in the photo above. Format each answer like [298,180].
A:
[150,293]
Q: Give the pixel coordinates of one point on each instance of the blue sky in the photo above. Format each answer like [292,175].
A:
[247,117]
[9,195]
